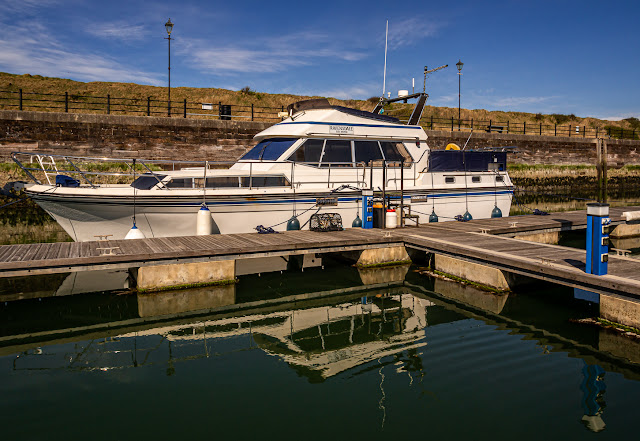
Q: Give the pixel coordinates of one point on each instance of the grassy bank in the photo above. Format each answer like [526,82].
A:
[246,97]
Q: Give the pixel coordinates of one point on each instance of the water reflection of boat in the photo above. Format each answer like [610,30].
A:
[317,341]
[321,341]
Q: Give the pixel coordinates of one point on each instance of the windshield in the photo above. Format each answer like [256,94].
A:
[147,182]
[269,149]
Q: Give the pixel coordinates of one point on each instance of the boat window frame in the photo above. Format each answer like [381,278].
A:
[267,142]
[372,163]
[338,164]
[408,160]
[239,180]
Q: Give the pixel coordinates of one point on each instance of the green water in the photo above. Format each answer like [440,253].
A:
[308,355]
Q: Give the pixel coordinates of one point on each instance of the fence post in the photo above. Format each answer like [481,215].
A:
[20,99]
[252,119]
[596,131]
[185,107]
[555,129]
[508,124]
[452,123]
[148,106]
[490,125]
[569,130]
[584,131]
[432,123]
[108,104]
[471,124]
[540,129]
[219,109]
[524,128]
[66,102]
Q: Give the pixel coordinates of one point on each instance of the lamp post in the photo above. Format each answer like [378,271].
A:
[169,27]
[459,64]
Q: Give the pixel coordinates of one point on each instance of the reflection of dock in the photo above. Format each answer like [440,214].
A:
[319,334]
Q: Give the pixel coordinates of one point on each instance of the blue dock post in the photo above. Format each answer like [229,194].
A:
[367,209]
[597,238]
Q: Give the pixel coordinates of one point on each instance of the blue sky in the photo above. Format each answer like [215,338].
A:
[560,56]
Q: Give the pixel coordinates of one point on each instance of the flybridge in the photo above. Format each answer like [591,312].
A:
[323,103]
[414,119]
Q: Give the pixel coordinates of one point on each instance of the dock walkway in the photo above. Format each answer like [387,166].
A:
[484,241]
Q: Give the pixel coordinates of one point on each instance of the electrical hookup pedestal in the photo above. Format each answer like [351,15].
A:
[367,209]
[597,238]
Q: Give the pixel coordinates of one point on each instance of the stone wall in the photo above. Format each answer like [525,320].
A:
[125,136]
[215,140]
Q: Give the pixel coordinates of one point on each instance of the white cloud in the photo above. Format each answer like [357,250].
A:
[352,92]
[25,6]
[619,116]
[268,55]
[407,32]
[32,49]
[119,30]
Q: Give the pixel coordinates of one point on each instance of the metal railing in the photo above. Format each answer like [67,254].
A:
[145,106]
[150,106]
[526,128]
[96,172]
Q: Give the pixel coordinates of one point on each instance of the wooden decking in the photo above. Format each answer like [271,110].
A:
[48,258]
[484,241]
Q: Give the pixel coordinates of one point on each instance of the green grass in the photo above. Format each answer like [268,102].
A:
[78,92]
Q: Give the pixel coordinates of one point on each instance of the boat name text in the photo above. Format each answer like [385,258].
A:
[341,130]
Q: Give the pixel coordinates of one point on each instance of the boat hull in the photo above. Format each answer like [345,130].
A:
[86,218]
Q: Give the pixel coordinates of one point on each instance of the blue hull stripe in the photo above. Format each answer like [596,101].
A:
[129,201]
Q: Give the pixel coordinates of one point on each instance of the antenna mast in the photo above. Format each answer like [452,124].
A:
[384,76]
[426,72]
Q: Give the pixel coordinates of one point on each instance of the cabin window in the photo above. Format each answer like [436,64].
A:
[269,149]
[475,179]
[219,182]
[499,178]
[180,183]
[368,152]
[265,181]
[309,152]
[396,152]
[337,153]
[449,179]
[146,182]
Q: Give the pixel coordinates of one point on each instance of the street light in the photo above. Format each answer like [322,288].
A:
[459,64]
[169,27]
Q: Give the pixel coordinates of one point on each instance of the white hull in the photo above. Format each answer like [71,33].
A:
[163,217]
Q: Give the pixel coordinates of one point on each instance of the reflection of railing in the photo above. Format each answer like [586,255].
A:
[109,171]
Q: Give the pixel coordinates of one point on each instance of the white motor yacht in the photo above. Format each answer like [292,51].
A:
[320,159]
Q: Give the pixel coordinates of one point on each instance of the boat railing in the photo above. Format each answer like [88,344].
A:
[94,172]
